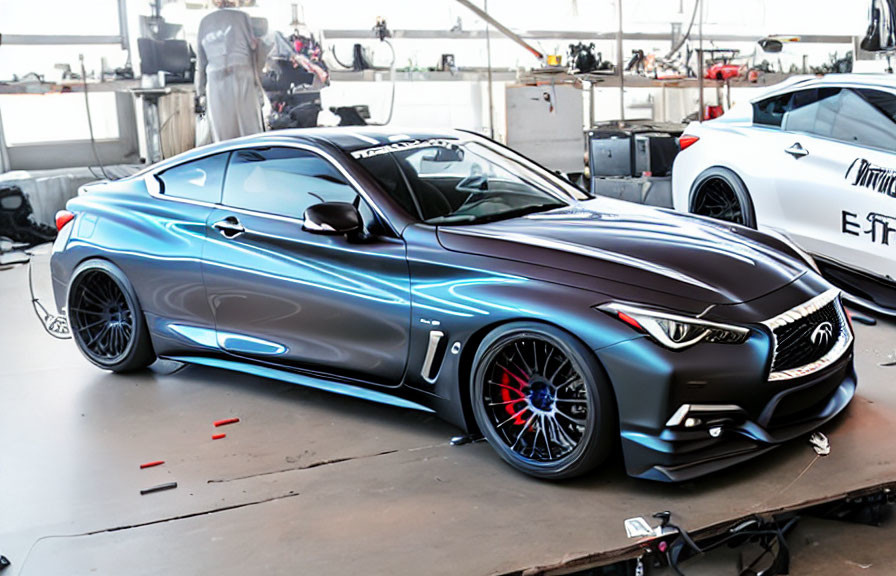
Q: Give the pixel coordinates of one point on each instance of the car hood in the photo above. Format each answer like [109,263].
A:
[635,245]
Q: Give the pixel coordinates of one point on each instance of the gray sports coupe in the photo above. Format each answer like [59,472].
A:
[443,271]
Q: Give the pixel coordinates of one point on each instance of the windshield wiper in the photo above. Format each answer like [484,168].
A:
[451,219]
[473,219]
[518,212]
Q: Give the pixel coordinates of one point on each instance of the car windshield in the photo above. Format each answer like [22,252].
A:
[448,181]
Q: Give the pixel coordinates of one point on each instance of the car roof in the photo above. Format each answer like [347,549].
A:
[347,138]
[794,83]
[351,138]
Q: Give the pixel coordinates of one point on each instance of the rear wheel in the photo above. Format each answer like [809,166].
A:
[106,321]
[721,194]
[541,401]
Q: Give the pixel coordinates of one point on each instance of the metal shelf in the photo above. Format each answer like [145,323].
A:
[353,34]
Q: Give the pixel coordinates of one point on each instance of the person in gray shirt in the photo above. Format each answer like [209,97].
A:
[227,74]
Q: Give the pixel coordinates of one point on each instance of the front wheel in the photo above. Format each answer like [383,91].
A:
[105,319]
[541,401]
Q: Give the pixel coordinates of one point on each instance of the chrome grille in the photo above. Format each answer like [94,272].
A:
[809,337]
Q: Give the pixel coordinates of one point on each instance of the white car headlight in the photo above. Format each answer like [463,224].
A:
[674,331]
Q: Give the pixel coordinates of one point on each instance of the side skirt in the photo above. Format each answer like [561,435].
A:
[303,380]
[872,293]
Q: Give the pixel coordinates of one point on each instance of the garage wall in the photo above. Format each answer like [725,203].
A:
[456,103]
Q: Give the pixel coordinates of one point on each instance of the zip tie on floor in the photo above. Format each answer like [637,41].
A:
[218,436]
[159,488]
[151,464]
[226,421]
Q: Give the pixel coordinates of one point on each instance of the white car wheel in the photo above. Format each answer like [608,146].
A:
[719,193]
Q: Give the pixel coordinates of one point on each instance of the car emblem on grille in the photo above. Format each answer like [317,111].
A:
[821,336]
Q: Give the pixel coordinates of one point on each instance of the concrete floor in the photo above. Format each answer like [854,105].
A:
[309,482]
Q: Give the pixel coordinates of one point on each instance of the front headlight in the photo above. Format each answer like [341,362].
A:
[673,331]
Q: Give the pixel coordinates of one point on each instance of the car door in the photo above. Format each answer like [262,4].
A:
[169,276]
[289,296]
[836,176]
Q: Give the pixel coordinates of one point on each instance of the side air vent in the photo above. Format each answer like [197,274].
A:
[435,353]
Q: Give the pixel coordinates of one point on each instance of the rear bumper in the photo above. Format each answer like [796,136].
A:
[732,420]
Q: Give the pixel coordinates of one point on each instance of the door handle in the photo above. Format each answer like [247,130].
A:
[230,227]
[797,150]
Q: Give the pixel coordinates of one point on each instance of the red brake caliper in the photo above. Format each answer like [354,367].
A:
[506,376]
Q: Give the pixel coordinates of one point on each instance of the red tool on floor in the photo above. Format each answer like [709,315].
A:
[218,436]
[226,421]
[151,464]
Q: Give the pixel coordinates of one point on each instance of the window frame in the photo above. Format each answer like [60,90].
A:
[854,88]
[154,187]
[161,183]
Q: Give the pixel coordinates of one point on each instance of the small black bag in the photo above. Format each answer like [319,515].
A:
[16,221]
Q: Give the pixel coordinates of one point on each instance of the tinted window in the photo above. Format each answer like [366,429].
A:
[813,114]
[770,112]
[283,181]
[848,117]
[386,172]
[456,182]
[883,101]
[196,180]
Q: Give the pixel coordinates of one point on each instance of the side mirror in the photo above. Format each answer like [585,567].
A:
[332,218]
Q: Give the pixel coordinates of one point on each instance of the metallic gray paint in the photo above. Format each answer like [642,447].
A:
[360,312]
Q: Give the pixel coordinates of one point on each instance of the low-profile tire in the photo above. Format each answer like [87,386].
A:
[720,193]
[105,318]
[542,401]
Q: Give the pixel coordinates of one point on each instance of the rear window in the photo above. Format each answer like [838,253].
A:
[198,180]
[771,111]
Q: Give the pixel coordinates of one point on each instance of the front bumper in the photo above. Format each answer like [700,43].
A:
[739,413]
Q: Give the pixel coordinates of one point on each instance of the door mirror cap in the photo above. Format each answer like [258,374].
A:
[332,218]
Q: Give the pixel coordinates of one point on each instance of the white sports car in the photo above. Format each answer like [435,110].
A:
[814,159]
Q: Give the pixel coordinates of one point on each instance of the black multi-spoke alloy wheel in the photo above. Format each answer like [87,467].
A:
[719,193]
[541,400]
[105,319]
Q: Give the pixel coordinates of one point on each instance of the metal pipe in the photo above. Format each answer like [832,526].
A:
[413,34]
[700,61]
[619,64]
[57,39]
[590,105]
[123,27]
[488,51]
[503,29]
[578,36]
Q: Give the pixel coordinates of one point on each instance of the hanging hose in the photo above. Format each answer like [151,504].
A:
[55,326]
[392,75]
[687,34]
[338,61]
[766,534]
[96,154]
